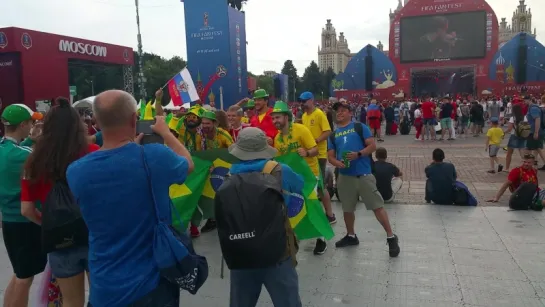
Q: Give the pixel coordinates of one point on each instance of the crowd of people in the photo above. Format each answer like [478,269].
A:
[120,185]
[92,162]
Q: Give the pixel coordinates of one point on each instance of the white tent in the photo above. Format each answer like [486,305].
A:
[171,106]
[86,103]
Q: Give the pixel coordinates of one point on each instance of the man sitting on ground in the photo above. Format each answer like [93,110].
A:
[441,178]
[389,177]
[524,173]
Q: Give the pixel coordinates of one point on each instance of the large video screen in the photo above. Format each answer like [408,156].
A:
[443,37]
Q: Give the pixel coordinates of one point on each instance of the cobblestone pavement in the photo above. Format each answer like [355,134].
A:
[450,256]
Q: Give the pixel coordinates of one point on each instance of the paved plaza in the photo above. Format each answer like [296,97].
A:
[450,256]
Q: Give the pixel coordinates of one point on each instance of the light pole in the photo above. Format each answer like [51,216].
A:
[141,78]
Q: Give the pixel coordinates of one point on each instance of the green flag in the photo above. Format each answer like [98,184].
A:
[185,197]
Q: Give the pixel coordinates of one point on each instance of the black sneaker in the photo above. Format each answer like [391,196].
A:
[393,246]
[331,219]
[542,168]
[347,241]
[209,226]
[320,248]
[500,168]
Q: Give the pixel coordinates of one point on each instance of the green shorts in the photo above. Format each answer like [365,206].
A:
[446,123]
[351,188]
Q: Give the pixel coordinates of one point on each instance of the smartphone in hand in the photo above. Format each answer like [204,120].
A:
[150,137]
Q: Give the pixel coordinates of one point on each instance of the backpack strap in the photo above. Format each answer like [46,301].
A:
[358,127]
[269,166]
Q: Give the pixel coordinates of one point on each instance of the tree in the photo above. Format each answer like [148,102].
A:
[266,83]
[328,77]
[313,80]
[293,79]
[158,71]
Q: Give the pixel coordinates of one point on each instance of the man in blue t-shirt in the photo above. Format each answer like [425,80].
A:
[113,191]
[534,142]
[352,157]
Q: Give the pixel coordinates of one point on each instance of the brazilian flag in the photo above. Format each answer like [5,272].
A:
[185,197]
[304,209]
[221,162]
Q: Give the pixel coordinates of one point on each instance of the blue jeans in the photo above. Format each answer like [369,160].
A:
[281,281]
[165,295]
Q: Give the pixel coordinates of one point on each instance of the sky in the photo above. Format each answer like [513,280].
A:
[277,30]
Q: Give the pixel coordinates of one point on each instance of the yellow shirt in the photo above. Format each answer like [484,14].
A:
[300,138]
[317,123]
[222,140]
[495,136]
[261,117]
[245,120]
[192,141]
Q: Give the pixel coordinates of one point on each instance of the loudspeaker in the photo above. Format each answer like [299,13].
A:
[368,73]
[522,60]
[277,88]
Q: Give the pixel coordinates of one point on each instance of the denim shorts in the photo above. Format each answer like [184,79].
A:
[69,262]
[429,122]
[516,142]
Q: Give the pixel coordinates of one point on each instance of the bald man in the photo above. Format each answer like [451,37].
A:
[112,187]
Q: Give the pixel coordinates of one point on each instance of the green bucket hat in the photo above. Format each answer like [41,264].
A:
[210,115]
[260,93]
[281,107]
[250,104]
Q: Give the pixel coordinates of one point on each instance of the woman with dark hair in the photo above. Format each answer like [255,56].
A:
[63,140]
[222,120]
[517,123]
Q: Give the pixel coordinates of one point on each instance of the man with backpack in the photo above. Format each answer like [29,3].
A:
[536,119]
[351,152]
[523,183]
[256,238]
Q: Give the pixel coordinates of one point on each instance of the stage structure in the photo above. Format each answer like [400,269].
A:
[34,65]
[435,49]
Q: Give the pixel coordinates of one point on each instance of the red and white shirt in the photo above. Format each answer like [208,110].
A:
[234,132]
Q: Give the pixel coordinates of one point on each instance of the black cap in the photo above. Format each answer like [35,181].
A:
[342,104]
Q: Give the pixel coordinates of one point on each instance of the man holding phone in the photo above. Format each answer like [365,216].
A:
[122,218]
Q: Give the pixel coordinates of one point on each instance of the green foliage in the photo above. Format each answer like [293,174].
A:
[90,78]
[293,79]
[265,83]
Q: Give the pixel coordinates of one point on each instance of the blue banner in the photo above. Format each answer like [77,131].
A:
[216,50]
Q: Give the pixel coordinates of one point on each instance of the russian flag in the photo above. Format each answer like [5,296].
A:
[182,89]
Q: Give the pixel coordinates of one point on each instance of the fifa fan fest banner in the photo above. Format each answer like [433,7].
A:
[216,51]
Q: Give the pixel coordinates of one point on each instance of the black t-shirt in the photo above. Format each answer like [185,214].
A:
[384,172]
[446,110]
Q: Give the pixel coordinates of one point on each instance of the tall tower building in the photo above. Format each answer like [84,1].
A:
[333,52]
[520,22]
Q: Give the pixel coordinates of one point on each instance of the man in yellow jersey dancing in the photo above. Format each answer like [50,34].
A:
[293,137]
[316,121]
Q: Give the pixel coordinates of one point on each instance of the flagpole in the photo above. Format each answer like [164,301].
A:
[221,98]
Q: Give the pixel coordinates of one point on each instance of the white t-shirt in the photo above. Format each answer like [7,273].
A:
[417,113]
[512,119]
[509,109]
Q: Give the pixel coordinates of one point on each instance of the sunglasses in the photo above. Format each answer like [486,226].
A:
[529,156]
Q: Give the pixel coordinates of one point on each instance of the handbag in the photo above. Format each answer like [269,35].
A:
[173,251]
